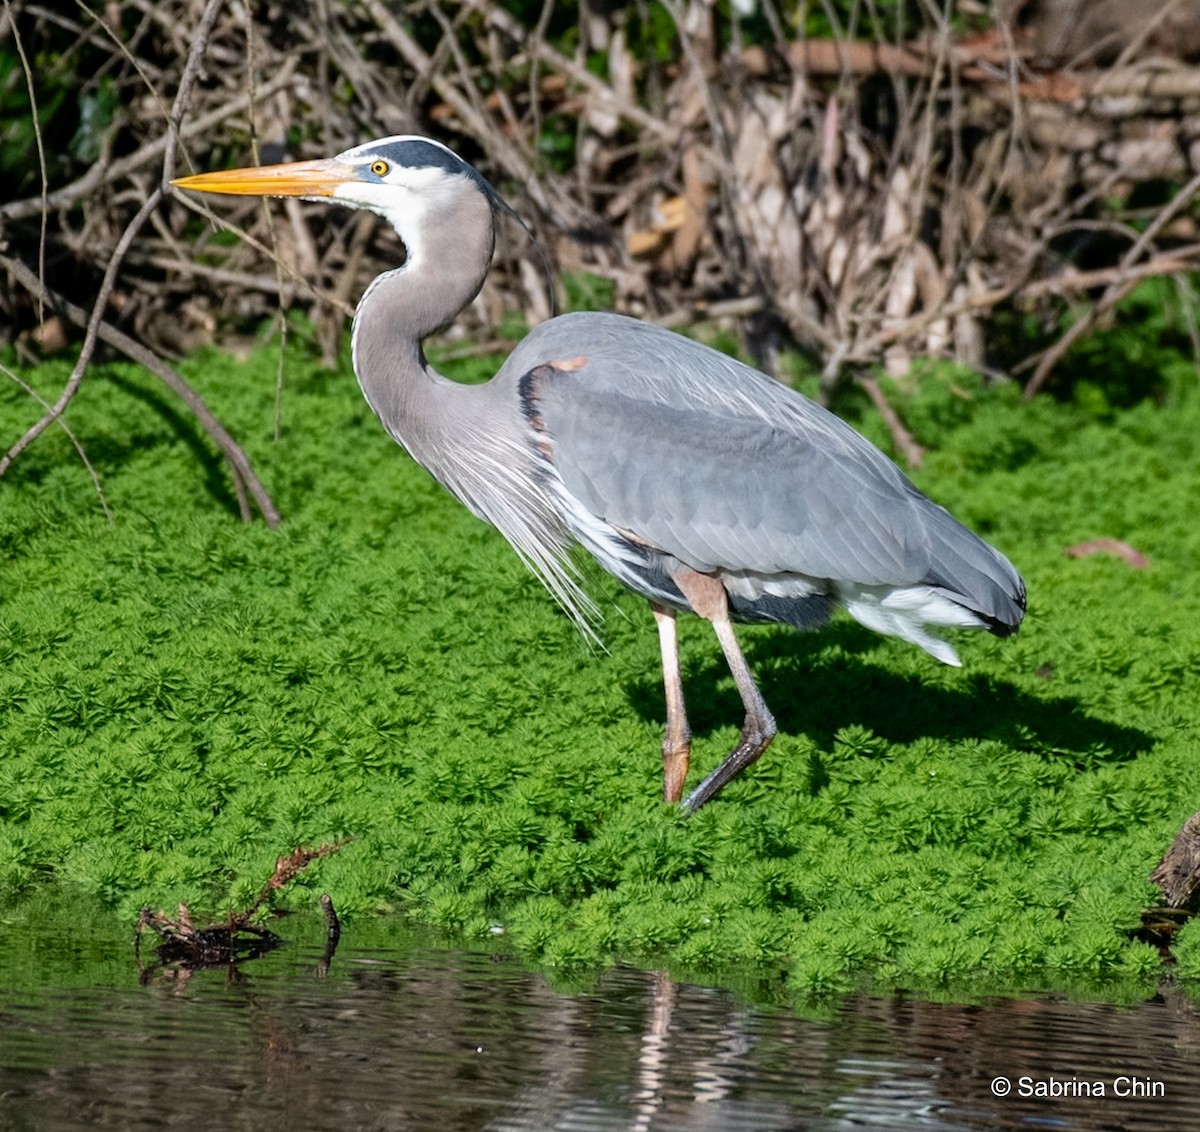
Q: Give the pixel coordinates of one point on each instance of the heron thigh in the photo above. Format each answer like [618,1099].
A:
[705,593]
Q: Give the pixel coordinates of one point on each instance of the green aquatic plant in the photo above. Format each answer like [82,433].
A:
[183,698]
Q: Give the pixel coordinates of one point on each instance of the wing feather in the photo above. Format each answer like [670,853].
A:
[725,469]
[736,495]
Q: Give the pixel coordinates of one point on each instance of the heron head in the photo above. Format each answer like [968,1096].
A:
[400,178]
[423,189]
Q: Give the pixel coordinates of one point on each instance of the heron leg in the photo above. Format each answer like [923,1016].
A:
[677,740]
[707,597]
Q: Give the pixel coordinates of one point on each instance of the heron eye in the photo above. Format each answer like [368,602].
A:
[380,168]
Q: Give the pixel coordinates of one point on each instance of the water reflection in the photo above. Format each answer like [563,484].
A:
[411,1037]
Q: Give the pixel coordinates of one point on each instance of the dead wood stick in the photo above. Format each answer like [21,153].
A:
[286,870]
[243,471]
[828,57]
[836,57]
[106,173]
[247,281]
[89,339]
[191,71]
[333,933]
[1048,359]
[190,267]
[1117,290]
[17,380]
[905,442]
[1131,49]
[703,312]
[1175,262]
[545,53]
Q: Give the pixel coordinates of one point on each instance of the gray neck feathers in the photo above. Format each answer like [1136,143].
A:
[448,258]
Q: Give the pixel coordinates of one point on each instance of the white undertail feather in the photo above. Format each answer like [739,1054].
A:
[905,612]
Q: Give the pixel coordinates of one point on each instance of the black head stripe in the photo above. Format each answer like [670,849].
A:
[421,153]
[417,153]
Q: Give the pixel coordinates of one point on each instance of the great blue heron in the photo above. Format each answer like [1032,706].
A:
[695,480]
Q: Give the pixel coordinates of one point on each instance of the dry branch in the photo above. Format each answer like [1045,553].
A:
[229,941]
[244,477]
[873,200]
[89,339]
[104,173]
[1120,286]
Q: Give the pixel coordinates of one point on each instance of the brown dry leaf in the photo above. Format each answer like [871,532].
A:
[690,230]
[50,336]
[1112,546]
[669,217]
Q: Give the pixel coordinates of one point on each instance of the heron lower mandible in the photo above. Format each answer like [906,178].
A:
[695,480]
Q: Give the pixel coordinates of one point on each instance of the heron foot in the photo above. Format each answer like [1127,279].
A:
[757,733]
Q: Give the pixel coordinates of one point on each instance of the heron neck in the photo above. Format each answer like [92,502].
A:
[404,306]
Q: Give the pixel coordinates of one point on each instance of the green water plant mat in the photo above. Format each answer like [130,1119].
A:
[184,697]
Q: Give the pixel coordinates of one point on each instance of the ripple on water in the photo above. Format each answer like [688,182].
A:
[413,1037]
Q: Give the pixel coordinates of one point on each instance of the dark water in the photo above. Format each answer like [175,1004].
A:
[401,1035]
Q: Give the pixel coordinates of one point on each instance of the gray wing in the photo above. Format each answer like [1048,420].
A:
[725,469]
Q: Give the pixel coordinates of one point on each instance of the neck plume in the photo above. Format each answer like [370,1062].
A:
[473,439]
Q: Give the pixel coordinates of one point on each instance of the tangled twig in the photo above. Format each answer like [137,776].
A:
[229,941]
[89,340]
[872,199]
[244,477]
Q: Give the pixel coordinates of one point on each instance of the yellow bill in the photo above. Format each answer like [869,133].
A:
[294,179]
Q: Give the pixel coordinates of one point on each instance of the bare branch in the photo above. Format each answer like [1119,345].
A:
[89,341]
[183,95]
[135,351]
[107,173]
[1121,285]
[17,380]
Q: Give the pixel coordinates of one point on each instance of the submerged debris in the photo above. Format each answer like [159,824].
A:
[333,932]
[235,939]
[1158,928]
[218,945]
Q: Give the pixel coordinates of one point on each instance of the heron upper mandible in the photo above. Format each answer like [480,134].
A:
[695,480]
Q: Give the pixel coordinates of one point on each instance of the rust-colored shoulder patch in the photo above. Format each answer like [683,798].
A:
[569,365]
[554,366]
